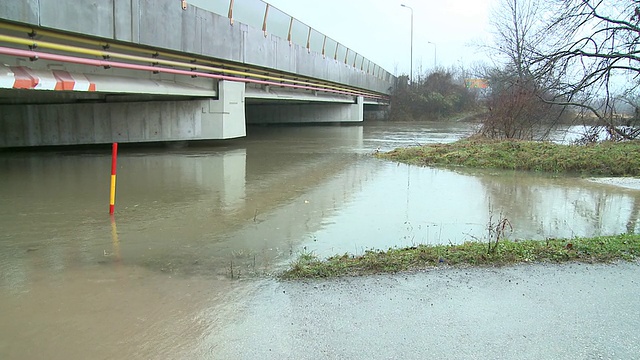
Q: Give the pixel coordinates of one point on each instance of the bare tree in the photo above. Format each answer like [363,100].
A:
[593,62]
[519,101]
[517,33]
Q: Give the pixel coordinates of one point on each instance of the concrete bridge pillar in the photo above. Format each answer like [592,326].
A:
[306,112]
[224,118]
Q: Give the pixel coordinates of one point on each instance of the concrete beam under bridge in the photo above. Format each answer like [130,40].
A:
[305,112]
[95,121]
[126,122]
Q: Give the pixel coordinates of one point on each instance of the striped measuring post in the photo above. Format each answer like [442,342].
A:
[114,160]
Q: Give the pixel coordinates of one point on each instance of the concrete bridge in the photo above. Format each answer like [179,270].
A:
[101,71]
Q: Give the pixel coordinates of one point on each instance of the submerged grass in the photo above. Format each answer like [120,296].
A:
[607,158]
[597,249]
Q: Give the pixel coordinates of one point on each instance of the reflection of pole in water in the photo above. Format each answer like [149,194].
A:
[115,243]
[408,186]
[633,217]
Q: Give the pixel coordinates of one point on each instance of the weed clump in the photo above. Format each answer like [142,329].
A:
[504,252]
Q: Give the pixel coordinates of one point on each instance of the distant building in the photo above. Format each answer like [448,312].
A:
[476,83]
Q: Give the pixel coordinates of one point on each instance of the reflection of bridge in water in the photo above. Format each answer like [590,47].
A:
[140,71]
[189,211]
[280,189]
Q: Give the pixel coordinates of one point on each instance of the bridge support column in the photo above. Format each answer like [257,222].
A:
[224,118]
[305,113]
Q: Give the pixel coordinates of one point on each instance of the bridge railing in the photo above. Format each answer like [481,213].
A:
[262,15]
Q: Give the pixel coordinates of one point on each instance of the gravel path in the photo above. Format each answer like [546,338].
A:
[572,311]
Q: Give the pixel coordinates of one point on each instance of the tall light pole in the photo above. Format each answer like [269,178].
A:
[435,54]
[411,71]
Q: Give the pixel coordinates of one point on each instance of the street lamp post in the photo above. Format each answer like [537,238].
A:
[411,70]
[435,54]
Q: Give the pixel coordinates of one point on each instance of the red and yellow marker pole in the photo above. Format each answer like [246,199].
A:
[114,160]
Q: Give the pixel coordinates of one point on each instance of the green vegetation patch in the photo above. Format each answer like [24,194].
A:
[607,158]
[597,249]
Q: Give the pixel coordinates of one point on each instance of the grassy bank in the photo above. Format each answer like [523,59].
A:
[607,159]
[598,249]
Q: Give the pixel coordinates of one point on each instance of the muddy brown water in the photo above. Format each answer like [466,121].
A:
[196,228]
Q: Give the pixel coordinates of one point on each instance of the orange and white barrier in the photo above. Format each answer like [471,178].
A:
[20,77]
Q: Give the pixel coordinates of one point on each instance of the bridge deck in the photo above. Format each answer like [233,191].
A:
[66,61]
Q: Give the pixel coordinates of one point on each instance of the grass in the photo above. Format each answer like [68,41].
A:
[606,159]
[505,252]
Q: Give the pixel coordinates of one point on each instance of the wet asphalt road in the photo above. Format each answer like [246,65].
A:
[574,311]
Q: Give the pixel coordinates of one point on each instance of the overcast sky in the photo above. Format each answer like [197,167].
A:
[380,29]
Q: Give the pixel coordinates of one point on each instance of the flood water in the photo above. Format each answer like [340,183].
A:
[196,228]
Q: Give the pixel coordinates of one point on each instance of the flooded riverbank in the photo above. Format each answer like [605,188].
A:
[189,222]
